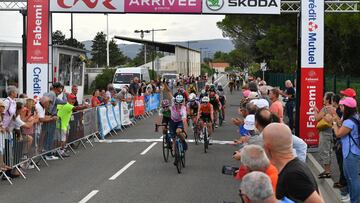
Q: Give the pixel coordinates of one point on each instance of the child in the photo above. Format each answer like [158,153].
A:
[28,133]
[64,114]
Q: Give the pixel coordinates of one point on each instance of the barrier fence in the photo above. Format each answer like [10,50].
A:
[29,147]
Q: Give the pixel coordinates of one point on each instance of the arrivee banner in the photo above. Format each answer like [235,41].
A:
[87,6]
[162,6]
[312,68]
[241,6]
[37,48]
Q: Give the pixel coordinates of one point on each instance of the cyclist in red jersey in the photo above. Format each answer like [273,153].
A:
[206,115]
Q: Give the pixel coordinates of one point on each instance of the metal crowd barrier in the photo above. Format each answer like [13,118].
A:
[19,149]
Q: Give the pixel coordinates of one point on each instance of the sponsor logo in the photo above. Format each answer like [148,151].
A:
[37,81]
[252,3]
[163,4]
[89,3]
[139,103]
[312,35]
[312,91]
[214,5]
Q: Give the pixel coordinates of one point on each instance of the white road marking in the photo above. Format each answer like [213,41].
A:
[222,142]
[148,149]
[161,136]
[89,196]
[122,170]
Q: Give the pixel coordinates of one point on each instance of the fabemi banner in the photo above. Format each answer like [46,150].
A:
[312,68]
[163,6]
[37,48]
[87,6]
[241,6]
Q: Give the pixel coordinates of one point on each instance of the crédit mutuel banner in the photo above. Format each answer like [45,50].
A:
[37,47]
[312,68]
[241,6]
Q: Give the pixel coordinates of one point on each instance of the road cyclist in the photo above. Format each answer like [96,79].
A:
[192,109]
[205,119]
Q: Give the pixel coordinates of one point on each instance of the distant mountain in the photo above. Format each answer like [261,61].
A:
[211,46]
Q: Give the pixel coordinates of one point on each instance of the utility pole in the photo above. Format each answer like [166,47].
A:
[142,38]
[188,56]
[107,41]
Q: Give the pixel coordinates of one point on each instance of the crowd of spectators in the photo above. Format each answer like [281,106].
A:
[267,142]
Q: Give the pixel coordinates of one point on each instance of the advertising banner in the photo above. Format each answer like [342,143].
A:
[139,106]
[155,101]
[36,79]
[37,47]
[163,6]
[241,6]
[117,112]
[104,127]
[312,68]
[147,103]
[125,116]
[111,116]
[87,6]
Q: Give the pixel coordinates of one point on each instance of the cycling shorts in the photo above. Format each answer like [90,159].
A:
[205,117]
[165,120]
[173,126]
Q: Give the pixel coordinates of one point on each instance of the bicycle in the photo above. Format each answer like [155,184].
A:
[205,136]
[221,118]
[195,128]
[166,143]
[179,155]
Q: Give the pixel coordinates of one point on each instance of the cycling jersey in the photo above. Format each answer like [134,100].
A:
[205,108]
[193,106]
[215,102]
[222,100]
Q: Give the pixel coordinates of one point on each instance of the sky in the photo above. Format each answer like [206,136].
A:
[179,27]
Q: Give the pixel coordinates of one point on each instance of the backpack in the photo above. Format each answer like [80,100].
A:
[357,122]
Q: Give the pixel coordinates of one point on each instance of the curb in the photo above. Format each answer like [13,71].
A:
[327,183]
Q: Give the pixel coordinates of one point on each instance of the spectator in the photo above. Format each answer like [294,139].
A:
[276,105]
[28,112]
[349,133]
[289,95]
[256,188]
[95,99]
[50,127]
[64,114]
[41,108]
[295,181]
[23,96]
[253,87]
[325,134]
[264,93]
[3,166]
[74,91]
[337,115]
[134,87]
[253,158]
[10,106]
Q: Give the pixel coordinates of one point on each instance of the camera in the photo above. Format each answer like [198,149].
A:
[229,170]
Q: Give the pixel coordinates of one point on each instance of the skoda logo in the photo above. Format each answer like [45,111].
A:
[214,5]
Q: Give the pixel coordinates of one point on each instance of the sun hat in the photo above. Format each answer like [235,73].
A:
[260,103]
[249,123]
[349,92]
[253,95]
[349,102]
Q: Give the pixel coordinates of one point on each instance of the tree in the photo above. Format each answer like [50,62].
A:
[102,80]
[115,55]
[98,49]
[59,38]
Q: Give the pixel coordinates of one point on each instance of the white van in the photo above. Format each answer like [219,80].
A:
[123,76]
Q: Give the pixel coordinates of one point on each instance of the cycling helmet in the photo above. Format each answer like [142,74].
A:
[192,97]
[165,103]
[203,92]
[205,99]
[179,99]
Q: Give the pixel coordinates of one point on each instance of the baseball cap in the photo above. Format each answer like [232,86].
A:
[253,95]
[349,102]
[349,92]
[71,96]
[260,103]
[249,123]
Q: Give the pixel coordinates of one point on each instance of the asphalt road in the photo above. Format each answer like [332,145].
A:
[136,175]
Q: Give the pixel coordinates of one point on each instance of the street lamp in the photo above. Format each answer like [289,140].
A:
[188,57]
[142,37]
[153,58]
[201,56]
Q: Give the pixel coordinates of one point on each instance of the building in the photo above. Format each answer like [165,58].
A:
[219,67]
[67,67]
[181,60]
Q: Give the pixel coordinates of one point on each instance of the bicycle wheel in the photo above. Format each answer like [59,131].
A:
[205,139]
[220,118]
[177,158]
[182,156]
[196,135]
[165,149]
